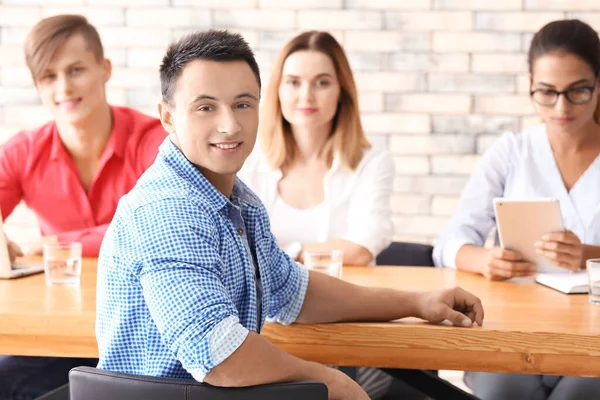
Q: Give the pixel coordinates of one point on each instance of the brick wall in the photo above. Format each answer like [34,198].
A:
[438,79]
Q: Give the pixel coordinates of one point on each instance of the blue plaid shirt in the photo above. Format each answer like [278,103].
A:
[178,285]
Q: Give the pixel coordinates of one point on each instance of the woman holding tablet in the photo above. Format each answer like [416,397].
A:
[558,159]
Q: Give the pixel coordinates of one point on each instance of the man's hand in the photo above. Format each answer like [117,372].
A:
[563,249]
[500,264]
[14,250]
[456,305]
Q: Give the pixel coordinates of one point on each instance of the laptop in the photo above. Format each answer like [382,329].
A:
[17,269]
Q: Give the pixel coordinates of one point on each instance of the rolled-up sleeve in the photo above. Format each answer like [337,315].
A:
[474,218]
[288,282]
[370,215]
[181,279]
[289,313]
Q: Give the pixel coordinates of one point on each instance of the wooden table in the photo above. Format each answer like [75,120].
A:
[39,320]
[528,328]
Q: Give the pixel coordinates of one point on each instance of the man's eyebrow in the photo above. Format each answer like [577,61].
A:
[246,94]
[207,97]
[203,97]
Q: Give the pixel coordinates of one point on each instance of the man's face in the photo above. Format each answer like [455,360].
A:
[72,86]
[213,116]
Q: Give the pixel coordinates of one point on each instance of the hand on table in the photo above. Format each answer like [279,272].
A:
[456,305]
[14,250]
[563,249]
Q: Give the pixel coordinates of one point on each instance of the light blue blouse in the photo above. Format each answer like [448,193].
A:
[520,166]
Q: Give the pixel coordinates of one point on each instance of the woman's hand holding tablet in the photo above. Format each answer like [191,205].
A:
[501,264]
[563,249]
[522,223]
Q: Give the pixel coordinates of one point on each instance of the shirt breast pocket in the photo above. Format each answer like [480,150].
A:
[233,266]
[264,255]
[268,259]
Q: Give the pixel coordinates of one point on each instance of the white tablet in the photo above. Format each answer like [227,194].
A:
[521,223]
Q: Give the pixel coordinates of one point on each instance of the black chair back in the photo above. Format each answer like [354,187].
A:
[407,254]
[88,383]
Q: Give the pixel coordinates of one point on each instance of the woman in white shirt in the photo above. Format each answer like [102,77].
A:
[558,159]
[322,183]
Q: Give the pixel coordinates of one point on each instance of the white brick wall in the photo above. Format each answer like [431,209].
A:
[514,21]
[429,103]
[429,20]
[438,80]
[444,205]
[99,16]
[412,165]
[474,42]
[396,123]
[387,42]
[478,4]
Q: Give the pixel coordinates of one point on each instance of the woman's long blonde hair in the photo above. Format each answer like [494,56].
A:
[347,138]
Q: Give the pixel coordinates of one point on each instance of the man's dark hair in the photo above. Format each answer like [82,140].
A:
[211,45]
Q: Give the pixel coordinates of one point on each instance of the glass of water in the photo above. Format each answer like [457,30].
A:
[328,262]
[62,263]
[593,270]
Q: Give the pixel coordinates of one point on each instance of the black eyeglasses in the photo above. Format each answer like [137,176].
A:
[577,95]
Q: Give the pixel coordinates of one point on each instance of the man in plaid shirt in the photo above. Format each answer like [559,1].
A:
[189,269]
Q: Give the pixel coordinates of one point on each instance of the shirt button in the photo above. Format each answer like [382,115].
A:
[240,231]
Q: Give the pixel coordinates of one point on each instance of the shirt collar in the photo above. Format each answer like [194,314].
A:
[240,196]
[121,128]
[117,142]
[57,146]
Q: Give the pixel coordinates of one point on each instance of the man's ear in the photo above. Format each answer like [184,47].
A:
[166,117]
[107,65]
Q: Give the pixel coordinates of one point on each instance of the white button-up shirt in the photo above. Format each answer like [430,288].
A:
[357,203]
[520,166]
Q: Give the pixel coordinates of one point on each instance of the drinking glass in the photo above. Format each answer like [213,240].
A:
[593,270]
[62,263]
[328,262]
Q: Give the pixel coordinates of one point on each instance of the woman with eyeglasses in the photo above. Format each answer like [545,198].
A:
[560,159]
